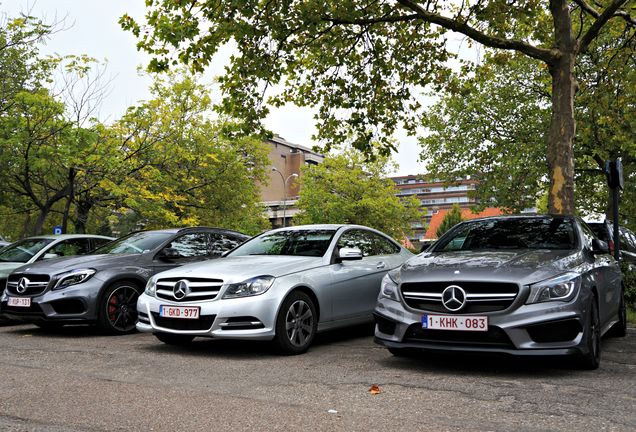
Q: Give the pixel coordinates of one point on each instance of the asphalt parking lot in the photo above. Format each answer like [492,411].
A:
[77,380]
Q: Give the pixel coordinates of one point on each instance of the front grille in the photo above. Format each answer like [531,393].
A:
[199,289]
[203,323]
[480,296]
[494,337]
[35,284]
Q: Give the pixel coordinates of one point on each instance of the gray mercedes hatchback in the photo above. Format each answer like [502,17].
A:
[103,288]
[521,285]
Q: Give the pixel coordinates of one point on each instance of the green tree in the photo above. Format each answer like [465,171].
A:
[363,64]
[452,218]
[347,189]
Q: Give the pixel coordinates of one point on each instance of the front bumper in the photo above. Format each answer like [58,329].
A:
[551,328]
[250,318]
[76,304]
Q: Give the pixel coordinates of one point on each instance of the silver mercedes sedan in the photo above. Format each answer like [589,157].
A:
[284,285]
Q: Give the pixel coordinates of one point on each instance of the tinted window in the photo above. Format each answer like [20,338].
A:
[368,242]
[306,242]
[513,233]
[601,230]
[190,245]
[23,250]
[99,242]
[69,248]
[588,235]
[135,243]
[220,243]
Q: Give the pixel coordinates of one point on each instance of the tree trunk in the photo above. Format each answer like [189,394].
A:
[69,200]
[82,209]
[562,124]
[39,222]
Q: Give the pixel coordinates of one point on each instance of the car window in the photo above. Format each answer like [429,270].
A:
[220,243]
[23,250]
[515,233]
[601,230]
[190,245]
[135,243]
[70,247]
[99,242]
[588,235]
[296,242]
[628,242]
[368,242]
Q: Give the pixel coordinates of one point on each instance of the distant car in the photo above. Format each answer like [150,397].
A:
[39,248]
[103,288]
[521,285]
[3,243]
[284,285]
[605,231]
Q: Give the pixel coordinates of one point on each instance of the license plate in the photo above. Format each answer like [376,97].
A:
[450,322]
[19,301]
[183,312]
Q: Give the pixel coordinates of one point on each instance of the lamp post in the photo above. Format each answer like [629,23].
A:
[285,180]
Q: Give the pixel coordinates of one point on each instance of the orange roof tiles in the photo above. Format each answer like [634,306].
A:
[437,218]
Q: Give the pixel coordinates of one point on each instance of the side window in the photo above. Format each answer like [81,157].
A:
[97,242]
[69,248]
[190,245]
[369,243]
[220,243]
[627,240]
[588,235]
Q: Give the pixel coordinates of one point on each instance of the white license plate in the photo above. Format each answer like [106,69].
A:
[451,322]
[19,301]
[183,312]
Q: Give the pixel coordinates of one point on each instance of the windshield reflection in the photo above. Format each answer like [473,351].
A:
[312,243]
[135,243]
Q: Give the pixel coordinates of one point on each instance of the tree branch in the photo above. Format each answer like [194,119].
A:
[598,24]
[543,54]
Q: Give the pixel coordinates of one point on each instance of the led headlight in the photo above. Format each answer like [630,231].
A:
[389,286]
[151,286]
[561,288]
[73,277]
[250,287]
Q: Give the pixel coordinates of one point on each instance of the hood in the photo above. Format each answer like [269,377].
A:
[240,268]
[97,262]
[519,266]
[8,267]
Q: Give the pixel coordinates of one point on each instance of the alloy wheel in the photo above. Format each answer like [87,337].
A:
[299,323]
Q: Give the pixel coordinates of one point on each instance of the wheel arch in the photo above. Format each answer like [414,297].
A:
[309,292]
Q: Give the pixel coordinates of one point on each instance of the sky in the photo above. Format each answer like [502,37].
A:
[91,27]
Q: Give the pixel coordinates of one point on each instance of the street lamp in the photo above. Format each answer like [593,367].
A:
[285,180]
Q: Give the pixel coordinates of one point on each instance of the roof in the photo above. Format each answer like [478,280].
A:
[436,220]
[69,236]
[280,140]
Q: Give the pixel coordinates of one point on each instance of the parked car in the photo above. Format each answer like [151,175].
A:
[522,285]
[33,249]
[3,243]
[284,285]
[605,231]
[103,288]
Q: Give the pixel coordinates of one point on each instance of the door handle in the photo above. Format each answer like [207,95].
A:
[380,265]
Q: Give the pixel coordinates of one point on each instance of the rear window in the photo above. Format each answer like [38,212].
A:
[513,233]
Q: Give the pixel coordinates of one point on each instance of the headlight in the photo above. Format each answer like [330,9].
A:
[151,286]
[389,286]
[73,277]
[250,287]
[560,288]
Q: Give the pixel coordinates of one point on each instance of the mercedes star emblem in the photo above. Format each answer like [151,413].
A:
[181,289]
[23,284]
[454,298]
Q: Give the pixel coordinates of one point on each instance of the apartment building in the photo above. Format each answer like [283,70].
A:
[280,194]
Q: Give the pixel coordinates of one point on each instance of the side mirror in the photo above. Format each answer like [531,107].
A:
[168,254]
[48,256]
[349,254]
[599,247]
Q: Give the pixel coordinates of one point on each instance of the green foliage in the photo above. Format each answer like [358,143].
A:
[347,189]
[452,218]
[629,282]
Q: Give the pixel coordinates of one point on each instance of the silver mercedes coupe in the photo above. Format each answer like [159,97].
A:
[284,285]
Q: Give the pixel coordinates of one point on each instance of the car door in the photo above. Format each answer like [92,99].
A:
[190,247]
[355,284]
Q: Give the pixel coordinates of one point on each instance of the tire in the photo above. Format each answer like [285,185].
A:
[591,358]
[174,339]
[117,308]
[296,324]
[619,329]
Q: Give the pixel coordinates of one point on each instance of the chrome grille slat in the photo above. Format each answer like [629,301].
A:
[200,289]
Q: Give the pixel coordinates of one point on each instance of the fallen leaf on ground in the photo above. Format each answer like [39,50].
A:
[375,389]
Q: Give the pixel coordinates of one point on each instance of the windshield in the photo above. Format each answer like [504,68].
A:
[308,242]
[23,250]
[135,243]
[514,233]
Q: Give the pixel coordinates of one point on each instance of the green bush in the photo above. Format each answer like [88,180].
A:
[629,281]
